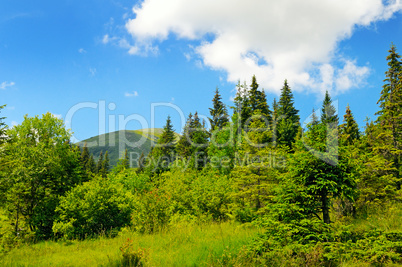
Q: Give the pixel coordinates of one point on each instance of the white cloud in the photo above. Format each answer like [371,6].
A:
[14,123]
[133,94]
[82,51]
[4,85]
[272,39]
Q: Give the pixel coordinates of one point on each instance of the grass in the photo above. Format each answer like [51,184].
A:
[185,245]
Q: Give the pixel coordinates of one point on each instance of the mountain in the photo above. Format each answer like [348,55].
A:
[136,142]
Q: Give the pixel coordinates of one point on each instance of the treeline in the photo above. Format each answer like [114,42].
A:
[306,187]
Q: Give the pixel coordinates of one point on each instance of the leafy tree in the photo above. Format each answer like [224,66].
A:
[41,166]
[390,115]
[349,130]
[287,123]
[92,208]
[218,112]
[328,111]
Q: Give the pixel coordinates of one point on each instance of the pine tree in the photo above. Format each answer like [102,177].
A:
[199,141]
[218,112]
[288,124]
[258,100]
[328,111]
[390,115]
[163,153]
[349,130]
[85,156]
[242,104]
[91,165]
[99,164]
[183,146]
[274,122]
[314,118]
[105,165]
[123,163]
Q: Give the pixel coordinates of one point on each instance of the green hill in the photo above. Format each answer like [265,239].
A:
[136,142]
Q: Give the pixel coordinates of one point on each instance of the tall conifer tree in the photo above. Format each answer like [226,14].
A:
[328,111]
[390,114]
[349,129]
[218,112]
[287,123]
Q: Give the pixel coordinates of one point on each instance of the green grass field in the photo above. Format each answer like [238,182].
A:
[186,245]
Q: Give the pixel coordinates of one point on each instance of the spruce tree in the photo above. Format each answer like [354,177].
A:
[274,122]
[183,146]
[85,156]
[163,152]
[288,124]
[258,101]
[349,130]
[218,112]
[390,115]
[105,165]
[328,111]
[242,106]
[99,164]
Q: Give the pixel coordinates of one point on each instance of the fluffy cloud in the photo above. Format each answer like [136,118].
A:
[272,39]
[4,85]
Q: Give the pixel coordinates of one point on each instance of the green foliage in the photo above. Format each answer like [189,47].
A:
[253,189]
[151,211]
[287,120]
[132,257]
[162,155]
[313,180]
[95,207]
[328,111]
[192,145]
[349,130]
[218,112]
[123,163]
[221,149]
[3,127]
[41,167]
[389,140]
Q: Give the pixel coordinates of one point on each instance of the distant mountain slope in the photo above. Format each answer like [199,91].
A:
[136,142]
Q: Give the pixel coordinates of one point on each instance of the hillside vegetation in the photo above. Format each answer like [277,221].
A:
[256,189]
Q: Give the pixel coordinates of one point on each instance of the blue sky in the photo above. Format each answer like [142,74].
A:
[61,56]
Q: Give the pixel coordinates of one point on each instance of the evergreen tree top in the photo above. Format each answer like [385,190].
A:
[286,103]
[328,111]
[218,112]
[349,129]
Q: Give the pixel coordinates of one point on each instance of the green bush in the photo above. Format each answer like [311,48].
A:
[151,211]
[94,207]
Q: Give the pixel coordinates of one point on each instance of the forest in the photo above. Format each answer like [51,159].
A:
[256,188]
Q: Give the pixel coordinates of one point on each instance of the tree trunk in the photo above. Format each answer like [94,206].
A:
[325,207]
